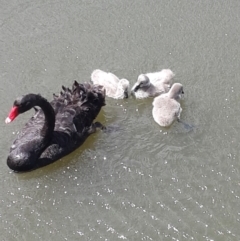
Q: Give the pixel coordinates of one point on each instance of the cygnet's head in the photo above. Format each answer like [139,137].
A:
[142,81]
[176,92]
[125,85]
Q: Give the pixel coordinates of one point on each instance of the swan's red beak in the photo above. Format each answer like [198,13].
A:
[12,115]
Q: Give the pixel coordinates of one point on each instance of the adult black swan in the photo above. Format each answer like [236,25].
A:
[57,128]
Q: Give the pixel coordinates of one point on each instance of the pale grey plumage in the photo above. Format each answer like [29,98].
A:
[152,84]
[115,88]
[166,107]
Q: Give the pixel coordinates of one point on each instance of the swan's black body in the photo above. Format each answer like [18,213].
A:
[58,128]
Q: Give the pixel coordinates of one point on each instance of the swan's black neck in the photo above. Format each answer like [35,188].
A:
[35,136]
[49,123]
[31,100]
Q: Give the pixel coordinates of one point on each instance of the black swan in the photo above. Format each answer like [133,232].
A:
[57,128]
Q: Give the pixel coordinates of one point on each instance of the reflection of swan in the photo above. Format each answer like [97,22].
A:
[152,84]
[56,129]
[166,107]
[115,87]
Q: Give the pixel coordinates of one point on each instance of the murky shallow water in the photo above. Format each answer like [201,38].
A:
[140,182]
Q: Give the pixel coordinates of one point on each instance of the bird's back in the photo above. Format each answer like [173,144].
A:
[74,120]
[108,80]
[165,110]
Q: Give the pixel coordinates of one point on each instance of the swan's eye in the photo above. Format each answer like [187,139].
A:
[26,104]
[15,103]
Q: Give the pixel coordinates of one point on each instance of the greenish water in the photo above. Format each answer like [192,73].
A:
[140,182]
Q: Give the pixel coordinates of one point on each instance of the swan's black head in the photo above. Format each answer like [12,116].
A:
[21,105]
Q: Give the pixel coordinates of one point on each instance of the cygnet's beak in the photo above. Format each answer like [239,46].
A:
[182,95]
[135,88]
[126,94]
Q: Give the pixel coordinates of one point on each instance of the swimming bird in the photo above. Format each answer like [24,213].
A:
[166,107]
[152,84]
[57,128]
[115,88]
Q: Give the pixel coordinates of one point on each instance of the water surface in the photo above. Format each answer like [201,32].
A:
[140,182]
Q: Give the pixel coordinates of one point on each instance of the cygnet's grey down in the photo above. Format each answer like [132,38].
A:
[152,84]
[166,107]
[115,88]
